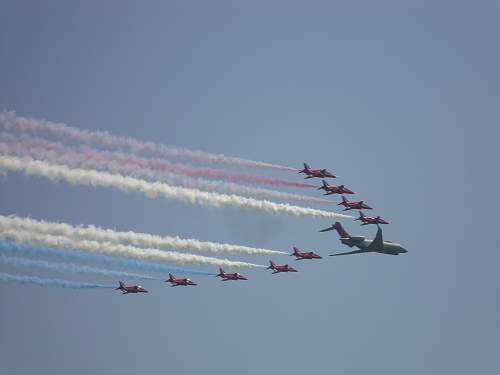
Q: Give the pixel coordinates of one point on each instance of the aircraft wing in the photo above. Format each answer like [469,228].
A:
[349,252]
[378,241]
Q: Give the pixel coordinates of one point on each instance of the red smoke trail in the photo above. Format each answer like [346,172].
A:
[9,121]
[161,165]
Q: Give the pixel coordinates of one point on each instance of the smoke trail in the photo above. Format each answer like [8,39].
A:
[159,165]
[128,165]
[74,268]
[117,249]
[17,279]
[14,223]
[156,169]
[9,247]
[9,121]
[152,189]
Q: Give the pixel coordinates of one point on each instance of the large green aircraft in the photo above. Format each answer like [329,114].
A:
[377,245]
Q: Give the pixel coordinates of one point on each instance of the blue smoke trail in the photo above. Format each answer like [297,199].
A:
[69,267]
[11,247]
[17,279]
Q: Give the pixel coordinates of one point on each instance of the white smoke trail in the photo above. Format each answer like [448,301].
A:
[13,223]
[153,189]
[17,279]
[9,121]
[69,267]
[16,248]
[127,165]
[117,249]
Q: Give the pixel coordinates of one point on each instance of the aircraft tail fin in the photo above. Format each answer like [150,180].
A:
[340,230]
[323,186]
[344,201]
[121,285]
[306,168]
[361,216]
[271,265]
[221,271]
[378,241]
[170,277]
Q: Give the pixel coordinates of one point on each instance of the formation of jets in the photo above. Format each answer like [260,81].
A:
[363,245]
[341,189]
[377,245]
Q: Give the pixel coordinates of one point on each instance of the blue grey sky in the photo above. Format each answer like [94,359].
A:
[400,99]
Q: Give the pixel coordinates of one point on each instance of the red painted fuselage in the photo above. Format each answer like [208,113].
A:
[319,173]
[299,255]
[280,268]
[370,220]
[126,289]
[179,282]
[353,205]
[230,276]
[331,189]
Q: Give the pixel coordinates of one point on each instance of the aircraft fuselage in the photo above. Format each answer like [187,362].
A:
[362,243]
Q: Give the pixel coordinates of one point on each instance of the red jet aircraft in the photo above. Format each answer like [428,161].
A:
[304,255]
[370,220]
[230,276]
[277,269]
[179,282]
[330,189]
[354,205]
[320,173]
[126,289]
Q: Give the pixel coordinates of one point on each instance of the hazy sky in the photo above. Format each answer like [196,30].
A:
[400,99]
